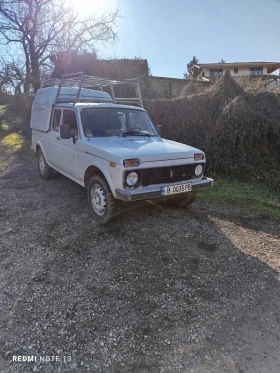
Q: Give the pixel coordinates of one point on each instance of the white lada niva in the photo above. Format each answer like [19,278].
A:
[110,147]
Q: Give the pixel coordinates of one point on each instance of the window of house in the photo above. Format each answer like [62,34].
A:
[235,70]
[216,73]
[56,119]
[203,73]
[255,71]
[69,117]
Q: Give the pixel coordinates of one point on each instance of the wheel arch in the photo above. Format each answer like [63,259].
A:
[93,170]
[38,147]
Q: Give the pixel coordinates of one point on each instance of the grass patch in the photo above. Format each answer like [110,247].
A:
[256,197]
[14,141]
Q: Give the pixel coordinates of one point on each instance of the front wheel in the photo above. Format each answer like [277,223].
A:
[102,203]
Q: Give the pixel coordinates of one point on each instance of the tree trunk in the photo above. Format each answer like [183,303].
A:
[36,81]
[26,86]
[35,72]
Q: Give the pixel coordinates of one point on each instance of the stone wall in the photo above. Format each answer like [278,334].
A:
[153,87]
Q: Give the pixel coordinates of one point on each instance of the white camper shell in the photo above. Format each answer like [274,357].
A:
[47,97]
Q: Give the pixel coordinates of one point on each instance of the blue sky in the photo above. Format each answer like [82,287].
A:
[168,33]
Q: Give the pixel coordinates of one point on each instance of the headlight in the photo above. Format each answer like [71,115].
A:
[132,178]
[198,170]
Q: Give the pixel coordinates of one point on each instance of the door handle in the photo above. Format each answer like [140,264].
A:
[58,138]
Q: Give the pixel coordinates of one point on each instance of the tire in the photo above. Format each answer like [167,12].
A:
[45,171]
[183,200]
[102,204]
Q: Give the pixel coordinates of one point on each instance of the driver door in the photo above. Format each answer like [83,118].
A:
[67,149]
[52,141]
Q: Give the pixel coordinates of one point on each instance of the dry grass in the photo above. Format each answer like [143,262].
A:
[14,137]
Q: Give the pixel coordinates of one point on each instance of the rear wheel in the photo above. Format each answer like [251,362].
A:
[183,200]
[45,171]
[102,203]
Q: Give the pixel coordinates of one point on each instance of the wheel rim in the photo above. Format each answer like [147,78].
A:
[98,200]
[41,164]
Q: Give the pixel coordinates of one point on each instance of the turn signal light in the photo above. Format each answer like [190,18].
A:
[131,162]
[198,157]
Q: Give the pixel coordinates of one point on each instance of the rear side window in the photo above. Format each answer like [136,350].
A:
[56,119]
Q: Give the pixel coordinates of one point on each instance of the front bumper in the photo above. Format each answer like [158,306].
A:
[154,191]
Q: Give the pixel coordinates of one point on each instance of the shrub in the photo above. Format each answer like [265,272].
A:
[5,98]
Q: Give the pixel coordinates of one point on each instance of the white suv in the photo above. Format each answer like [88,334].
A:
[113,150]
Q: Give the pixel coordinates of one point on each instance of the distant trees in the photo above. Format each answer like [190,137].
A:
[38,29]
[190,66]
[12,75]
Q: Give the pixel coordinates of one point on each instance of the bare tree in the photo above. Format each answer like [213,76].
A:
[45,27]
[12,75]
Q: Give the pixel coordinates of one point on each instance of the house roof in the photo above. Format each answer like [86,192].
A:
[271,66]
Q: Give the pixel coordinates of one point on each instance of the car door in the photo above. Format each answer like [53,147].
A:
[52,139]
[68,148]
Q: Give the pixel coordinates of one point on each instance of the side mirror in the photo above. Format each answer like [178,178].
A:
[65,131]
[159,129]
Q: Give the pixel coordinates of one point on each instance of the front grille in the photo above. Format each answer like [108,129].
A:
[162,175]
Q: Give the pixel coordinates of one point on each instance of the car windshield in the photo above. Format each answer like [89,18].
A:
[101,122]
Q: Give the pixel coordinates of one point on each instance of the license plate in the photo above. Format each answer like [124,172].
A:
[175,189]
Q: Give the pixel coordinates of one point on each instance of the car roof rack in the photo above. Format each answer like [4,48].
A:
[79,81]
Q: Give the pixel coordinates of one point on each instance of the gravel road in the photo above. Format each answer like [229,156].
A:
[159,290]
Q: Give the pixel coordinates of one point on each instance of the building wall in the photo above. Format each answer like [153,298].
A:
[154,87]
[242,71]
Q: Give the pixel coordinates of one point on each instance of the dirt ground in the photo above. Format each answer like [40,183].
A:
[159,289]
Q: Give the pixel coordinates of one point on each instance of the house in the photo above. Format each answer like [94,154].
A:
[212,71]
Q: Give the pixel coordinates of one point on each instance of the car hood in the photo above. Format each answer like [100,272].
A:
[147,149]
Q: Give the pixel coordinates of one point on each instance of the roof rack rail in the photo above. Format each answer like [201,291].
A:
[79,80]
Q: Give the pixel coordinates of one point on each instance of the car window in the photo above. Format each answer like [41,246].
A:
[56,119]
[69,117]
[115,122]
[139,120]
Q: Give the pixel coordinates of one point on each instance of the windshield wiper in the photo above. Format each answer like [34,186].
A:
[135,133]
